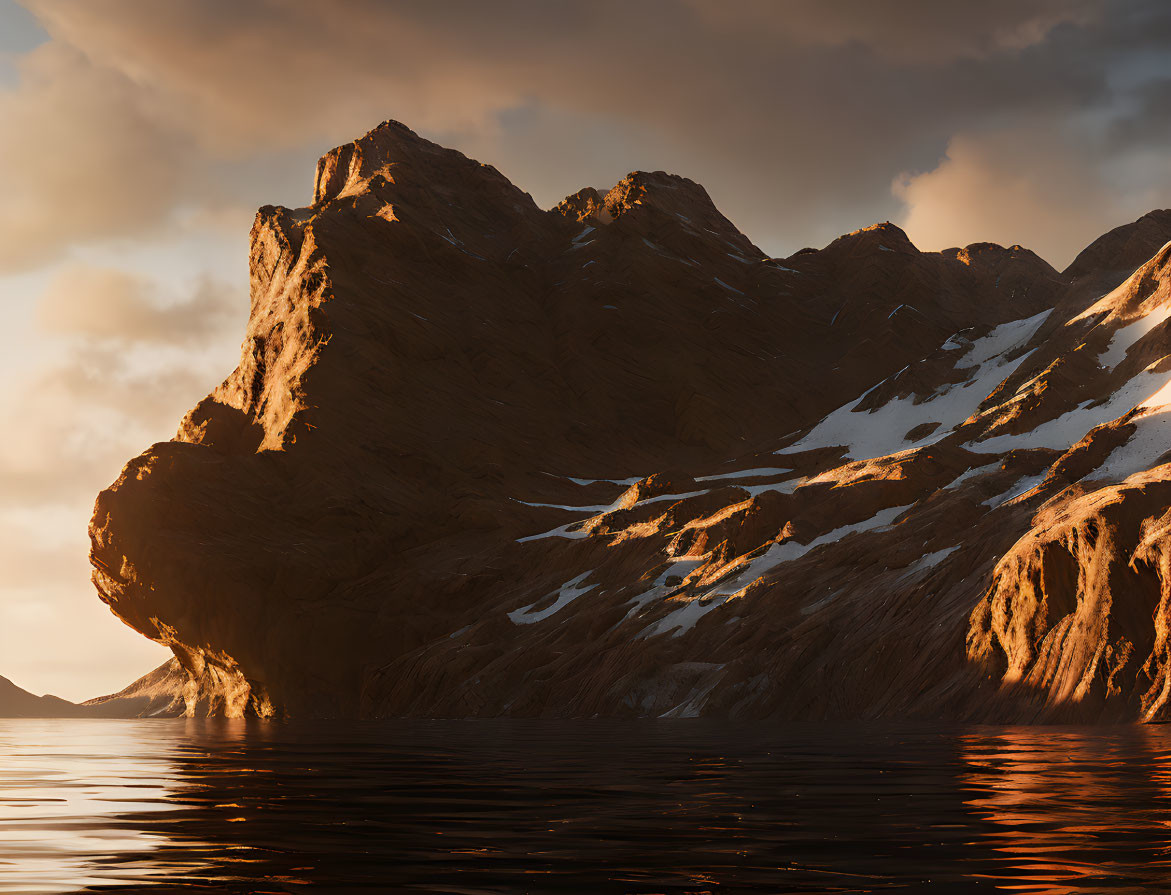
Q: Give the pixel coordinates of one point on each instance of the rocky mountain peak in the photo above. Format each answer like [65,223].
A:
[481,459]
[585,205]
[992,255]
[883,236]
[654,202]
[395,163]
[665,192]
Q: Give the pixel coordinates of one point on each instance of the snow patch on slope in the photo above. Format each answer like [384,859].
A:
[1021,487]
[929,561]
[791,550]
[685,618]
[569,592]
[1070,427]
[1146,445]
[1126,336]
[974,472]
[630,481]
[1150,441]
[882,431]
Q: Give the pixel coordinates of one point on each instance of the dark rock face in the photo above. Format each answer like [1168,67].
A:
[479,458]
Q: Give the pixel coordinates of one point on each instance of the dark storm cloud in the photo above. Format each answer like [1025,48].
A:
[798,116]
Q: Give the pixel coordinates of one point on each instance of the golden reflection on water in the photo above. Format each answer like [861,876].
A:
[65,787]
[651,807]
[1055,795]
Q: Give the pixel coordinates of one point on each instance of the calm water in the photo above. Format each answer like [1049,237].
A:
[477,807]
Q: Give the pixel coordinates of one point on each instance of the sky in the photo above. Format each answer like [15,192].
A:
[137,139]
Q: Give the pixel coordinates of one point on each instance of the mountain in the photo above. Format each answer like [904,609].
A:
[162,693]
[158,694]
[1124,248]
[18,703]
[480,458]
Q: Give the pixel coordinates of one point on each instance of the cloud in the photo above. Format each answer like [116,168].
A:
[121,367]
[121,362]
[100,395]
[1049,187]
[76,422]
[86,155]
[21,31]
[917,31]
[797,122]
[116,305]
[1008,187]
[55,637]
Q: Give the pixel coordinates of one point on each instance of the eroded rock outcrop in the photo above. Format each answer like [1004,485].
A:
[479,458]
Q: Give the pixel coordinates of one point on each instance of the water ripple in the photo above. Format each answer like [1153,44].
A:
[591,807]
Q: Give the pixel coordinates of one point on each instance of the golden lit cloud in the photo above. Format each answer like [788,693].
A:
[797,123]
[116,305]
[86,157]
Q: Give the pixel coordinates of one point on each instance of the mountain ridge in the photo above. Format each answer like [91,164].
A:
[479,458]
[160,693]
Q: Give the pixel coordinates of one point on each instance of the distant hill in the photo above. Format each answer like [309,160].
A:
[18,703]
[158,694]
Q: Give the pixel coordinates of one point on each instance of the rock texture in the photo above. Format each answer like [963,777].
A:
[480,458]
[167,692]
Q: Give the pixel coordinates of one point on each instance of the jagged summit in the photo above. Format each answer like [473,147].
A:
[667,192]
[586,204]
[480,458]
[991,253]
[880,234]
[656,201]
[871,244]
[421,172]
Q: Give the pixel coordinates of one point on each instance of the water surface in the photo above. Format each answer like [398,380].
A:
[590,807]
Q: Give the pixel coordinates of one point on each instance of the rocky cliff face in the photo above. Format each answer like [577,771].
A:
[479,458]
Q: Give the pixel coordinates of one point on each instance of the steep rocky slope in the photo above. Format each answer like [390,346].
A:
[609,459]
[166,692]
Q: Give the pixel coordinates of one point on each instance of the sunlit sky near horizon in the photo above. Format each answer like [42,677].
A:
[137,139]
